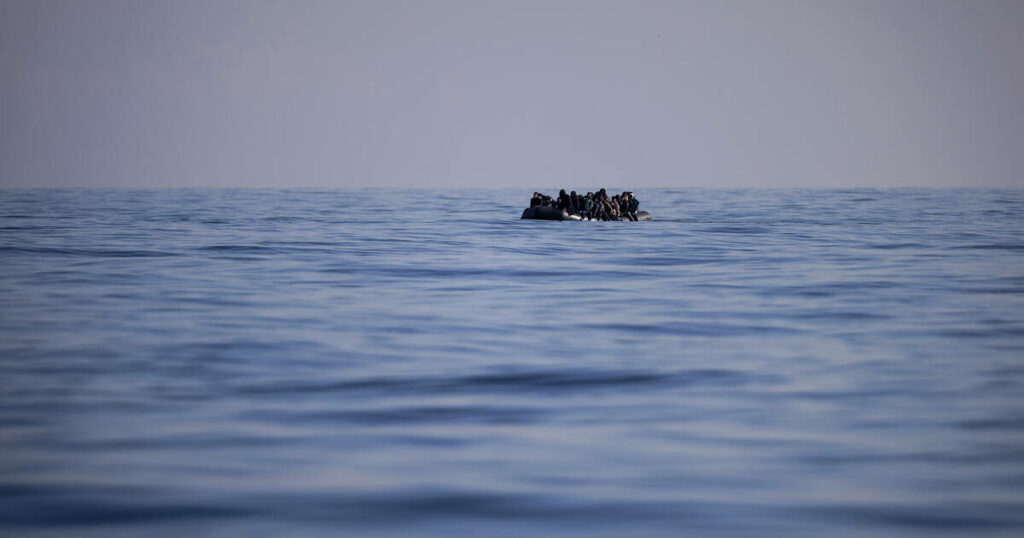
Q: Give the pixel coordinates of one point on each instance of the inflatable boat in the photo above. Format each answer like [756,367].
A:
[553,213]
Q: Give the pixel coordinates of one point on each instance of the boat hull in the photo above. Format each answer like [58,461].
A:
[553,213]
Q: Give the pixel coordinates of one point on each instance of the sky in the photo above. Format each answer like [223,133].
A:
[516,93]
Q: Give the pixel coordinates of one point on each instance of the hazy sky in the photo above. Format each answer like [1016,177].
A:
[511,93]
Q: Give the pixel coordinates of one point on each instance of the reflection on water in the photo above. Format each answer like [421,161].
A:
[309,363]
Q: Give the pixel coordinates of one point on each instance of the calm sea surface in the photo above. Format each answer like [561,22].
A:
[422,363]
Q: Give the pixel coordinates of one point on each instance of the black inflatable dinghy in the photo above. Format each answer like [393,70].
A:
[553,213]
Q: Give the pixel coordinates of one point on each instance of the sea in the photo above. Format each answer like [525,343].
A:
[423,363]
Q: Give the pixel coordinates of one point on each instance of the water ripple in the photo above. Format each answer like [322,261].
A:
[303,363]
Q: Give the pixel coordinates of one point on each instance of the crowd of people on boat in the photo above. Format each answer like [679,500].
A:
[594,205]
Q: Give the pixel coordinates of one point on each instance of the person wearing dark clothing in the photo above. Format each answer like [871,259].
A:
[565,202]
[606,208]
[593,206]
[624,210]
[634,206]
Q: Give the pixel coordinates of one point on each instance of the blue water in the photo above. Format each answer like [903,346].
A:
[421,363]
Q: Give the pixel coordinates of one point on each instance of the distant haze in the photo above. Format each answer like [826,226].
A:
[431,93]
